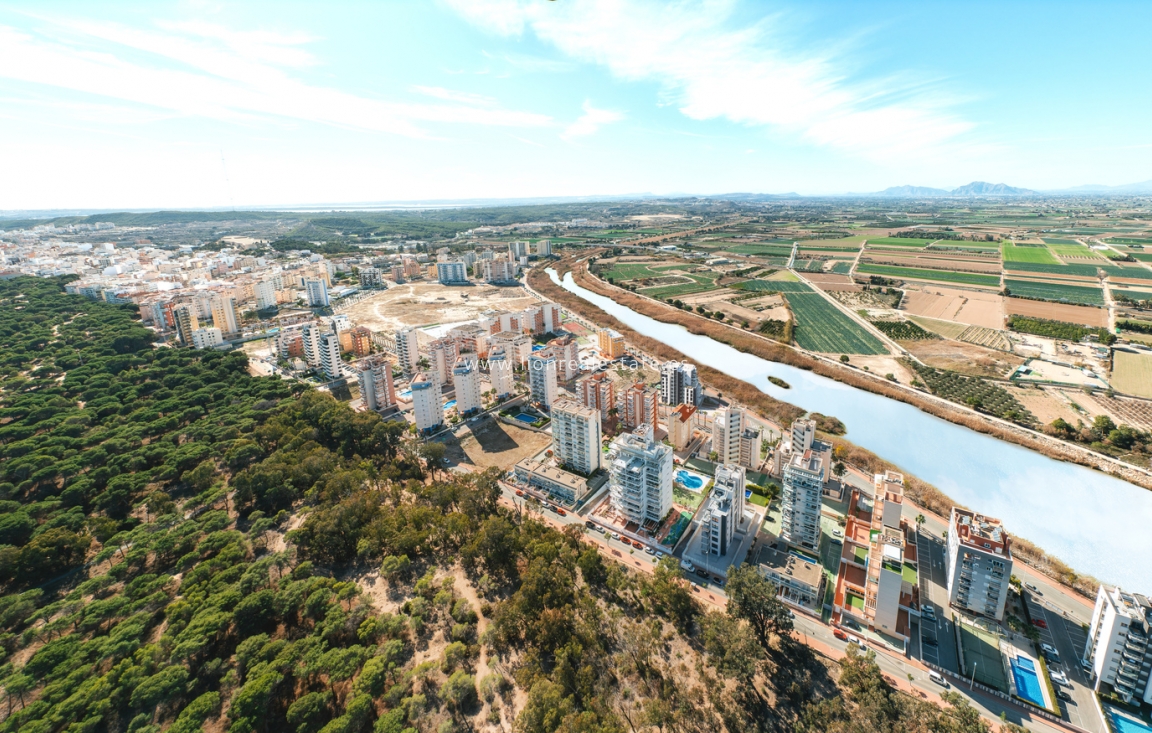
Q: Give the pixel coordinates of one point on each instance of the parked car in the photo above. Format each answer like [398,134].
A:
[649,550]
[837,533]
[937,678]
[688,566]
[928,612]
[1059,678]
[1048,648]
[702,573]
[1063,695]
[589,524]
[929,641]
[615,535]
[1040,622]
[839,634]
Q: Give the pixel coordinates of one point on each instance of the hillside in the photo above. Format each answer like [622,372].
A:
[186,547]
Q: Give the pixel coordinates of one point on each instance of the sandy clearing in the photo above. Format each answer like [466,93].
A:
[491,442]
[1057,312]
[962,357]
[966,306]
[421,303]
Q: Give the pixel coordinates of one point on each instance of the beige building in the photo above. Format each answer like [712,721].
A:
[638,405]
[680,422]
[597,392]
[576,439]
[609,343]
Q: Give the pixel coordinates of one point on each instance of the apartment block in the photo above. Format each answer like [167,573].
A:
[679,384]
[265,294]
[561,484]
[186,322]
[609,343]
[640,483]
[427,407]
[804,477]
[466,377]
[567,357]
[542,369]
[500,372]
[517,345]
[374,375]
[330,362]
[597,392]
[725,511]
[638,405]
[680,422]
[800,438]
[452,273]
[979,563]
[407,349]
[1118,647]
[224,314]
[316,293]
[516,250]
[310,338]
[727,429]
[361,338]
[370,278]
[576,436]
[442,353]
[207,338]
[498,271]
[751,445]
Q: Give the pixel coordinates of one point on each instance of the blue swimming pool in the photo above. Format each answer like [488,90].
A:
[1027,681]
[526,418]
[1126,723]
[449,404]
[688,480]
[405,393]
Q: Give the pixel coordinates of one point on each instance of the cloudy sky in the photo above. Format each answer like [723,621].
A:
[202,103]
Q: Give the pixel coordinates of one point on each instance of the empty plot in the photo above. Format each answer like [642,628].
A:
[821,326]
[1132,373]
[1056,292]
[915,273]
[1078,314]
[1015,253]
[972,308]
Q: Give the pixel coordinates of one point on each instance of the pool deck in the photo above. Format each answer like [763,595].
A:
[1013,654]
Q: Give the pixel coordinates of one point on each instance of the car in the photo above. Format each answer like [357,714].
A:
[938,678]
[649,550]
[1059,678]
[837,533]
[589,524]
[659,555]
[1063,695]
[1048,648]
[550,508]
[1033,588]
[702,573]
[839,634]
[615,535]
[928,611]
[1040,622]
[561,512]
[1086,665]
[688,566]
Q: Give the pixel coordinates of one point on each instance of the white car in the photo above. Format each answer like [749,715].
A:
[1060,678]
[1048,649]
[687,566]
[937,678]
[837,533]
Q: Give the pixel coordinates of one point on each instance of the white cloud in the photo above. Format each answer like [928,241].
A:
[591,121]
[202,70]
[453,95]
[747,75]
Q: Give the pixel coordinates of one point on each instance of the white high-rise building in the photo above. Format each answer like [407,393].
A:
[567,357]
[516,250]
[979,563]
[727,427]
[452,273]
[466,377]
[207,338]
[679,384]
[551,314]
[407,349]
[576,436]
[804,477]
[725,510]
[427,407]
[1119,646]
[224,314]
[310,337]
[751,444]
[443,353]
[265,292]
[542,377]
[330,361]
[317,293]
[803,433]
[500,369]
[640,482]
[370,277]
[544,248]
[376,388]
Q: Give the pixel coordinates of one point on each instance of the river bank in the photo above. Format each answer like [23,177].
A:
[920,492]
[774,351]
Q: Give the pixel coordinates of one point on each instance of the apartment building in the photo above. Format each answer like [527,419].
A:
[800,438]
[224,314]
[680,422]
[427,407]
[466,377]
[517,345]
[679,384]
[804,477]
[609,343]
[638,405]
[407,349]
[452,273]
[330,361]
[561,484]
[550,315]
[442,353]
[544,248]
[979,563]
[310,339]
[751,445]
[727,429]
[576,436]
[500,372]
[1118,647]
[597,392]
[567,357]
[497,271]
[516,250]
[361,341]
[265,293]
[316,293]
[207,338]
[186,322]
[799,581]
[640,482]
[374,375]
[725,511]
[370,278]
[542,370]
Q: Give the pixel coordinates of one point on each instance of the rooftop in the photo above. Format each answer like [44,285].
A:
[684,413]
[552,474]
[571,407]
[980,532]
[789,563]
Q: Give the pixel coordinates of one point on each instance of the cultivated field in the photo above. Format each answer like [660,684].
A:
[1132,373]
[841,266]
[423,303]
[966,306]
[1082,315]
[990,337]
[821,326]
[1057,292]
[694,282]
[622,271]
[774,286]
[899,242]
[913,273]
[947,329]
[1074,270]
[1027,253]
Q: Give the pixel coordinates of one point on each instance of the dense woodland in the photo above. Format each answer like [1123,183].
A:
[185,547]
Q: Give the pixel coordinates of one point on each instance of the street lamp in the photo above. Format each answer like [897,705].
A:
[972,681]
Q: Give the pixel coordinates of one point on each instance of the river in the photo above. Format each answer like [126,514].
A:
[1096,523]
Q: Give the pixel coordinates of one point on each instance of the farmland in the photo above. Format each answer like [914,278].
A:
[773,286]
[639,270]
[700,282]
[842,267]
[1056,292]
[772,250]
[1132,373]
[1082,270]
[915,273]
[1070,250]
[1056,329]
[899,242]
[903,330]
[974,392]
[1027,253]
[821,326]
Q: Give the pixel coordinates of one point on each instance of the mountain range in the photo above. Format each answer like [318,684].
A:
[983,188]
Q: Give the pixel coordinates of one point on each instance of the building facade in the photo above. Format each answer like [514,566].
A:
[640,482]
[576,437]
[207,338]
[597,392]
[725,511]
[542,382]
[609,343]
[803,480]
[224,314]
[466,377]
[567,357]
[330,362]
[408,349]
[377,390]
[727,429]
[638,405]
[679,384]
[500,372]
[452,273]
[1119,645]
[186,322]
[979,563]
[316,293]
[680,422]
[427,407]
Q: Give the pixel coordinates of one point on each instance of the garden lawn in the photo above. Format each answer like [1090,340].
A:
[916,273]
[821,326]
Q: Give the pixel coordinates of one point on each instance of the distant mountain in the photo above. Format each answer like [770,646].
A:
[901,191]
[1142,187]
[976,188]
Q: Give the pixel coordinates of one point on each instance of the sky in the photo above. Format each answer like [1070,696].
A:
[209,104]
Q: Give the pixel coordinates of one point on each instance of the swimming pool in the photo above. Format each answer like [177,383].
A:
[1027,681]
[690,481]
[405,394]
[526,418]
[449,404]
[1126,723]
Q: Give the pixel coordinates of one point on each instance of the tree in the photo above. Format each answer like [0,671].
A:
[752,597]
[309,712]
[395,567]
[433,455]
[459,691]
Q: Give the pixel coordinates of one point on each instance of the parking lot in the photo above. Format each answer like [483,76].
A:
[936,641]
[1068,637]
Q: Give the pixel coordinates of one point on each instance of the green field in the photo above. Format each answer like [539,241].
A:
[1128,240]
[772,250]
[916,273]
[1142,256]
[808,265]
[700,283]
[845,243]
[949,244]
[1056,292]
[900,242]
[903,330]
[842,267]
[1071,250]
[1048,240]
[637,270]
[1135,273]
[1078,270]
[1013,253]
[821,326]
[773,286]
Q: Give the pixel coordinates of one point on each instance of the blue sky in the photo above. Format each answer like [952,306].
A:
[200,103]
